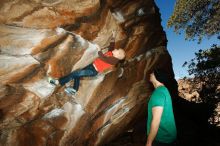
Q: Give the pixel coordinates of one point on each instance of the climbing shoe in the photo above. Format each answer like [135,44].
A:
[53,81]
[70,91]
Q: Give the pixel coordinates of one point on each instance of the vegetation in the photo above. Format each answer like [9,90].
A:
[206,67]
[198,18]
[206,70]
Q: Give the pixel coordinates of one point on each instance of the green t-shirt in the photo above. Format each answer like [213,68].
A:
[167,129]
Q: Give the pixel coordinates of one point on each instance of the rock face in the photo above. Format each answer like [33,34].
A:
[35,113]
[189,90]
[195,90]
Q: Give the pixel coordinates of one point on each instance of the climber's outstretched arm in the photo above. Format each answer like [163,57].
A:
[108,59]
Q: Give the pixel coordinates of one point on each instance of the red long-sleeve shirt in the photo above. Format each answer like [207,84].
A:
[105,61]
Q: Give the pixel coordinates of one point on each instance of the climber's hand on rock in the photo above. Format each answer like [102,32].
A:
[97,46]
[113,33]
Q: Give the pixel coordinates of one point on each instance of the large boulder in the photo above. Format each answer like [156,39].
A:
[35,113]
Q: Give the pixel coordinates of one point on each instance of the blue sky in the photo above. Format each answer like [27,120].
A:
[180,49]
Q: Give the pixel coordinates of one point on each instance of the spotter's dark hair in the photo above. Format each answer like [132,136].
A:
[161,76]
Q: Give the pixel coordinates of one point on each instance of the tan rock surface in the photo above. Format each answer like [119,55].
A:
[189,90]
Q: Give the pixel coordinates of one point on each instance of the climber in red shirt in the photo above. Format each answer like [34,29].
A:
[104,62]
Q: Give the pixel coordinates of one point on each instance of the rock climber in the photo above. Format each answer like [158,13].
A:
[105,61]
